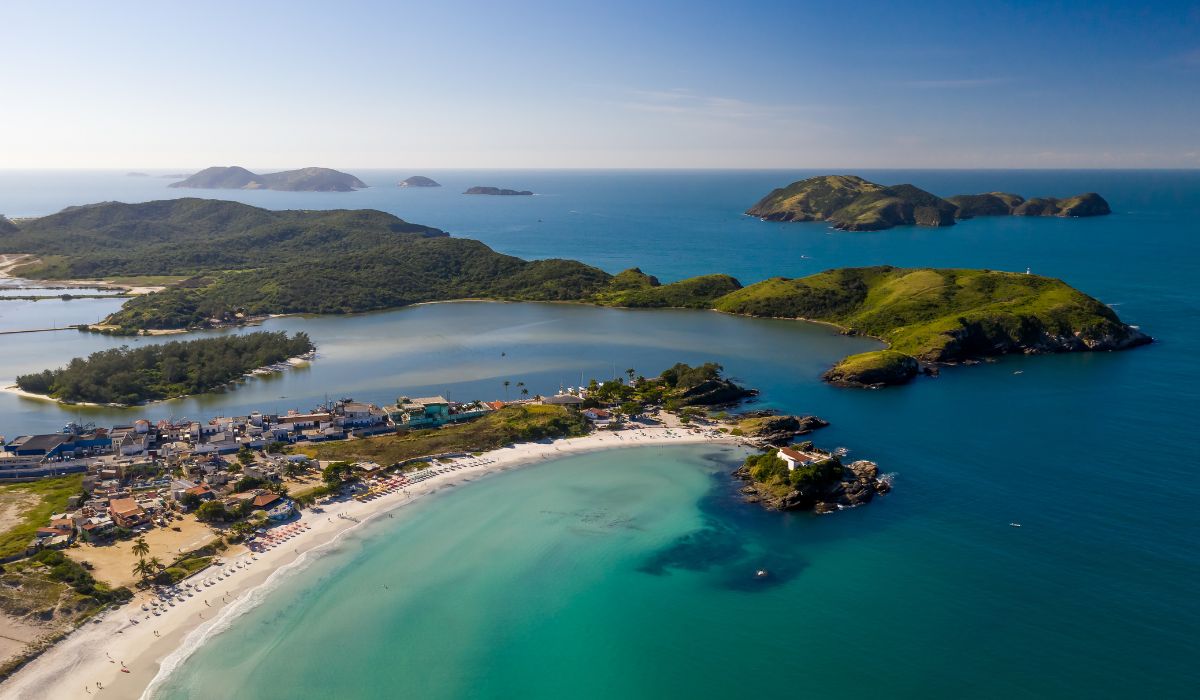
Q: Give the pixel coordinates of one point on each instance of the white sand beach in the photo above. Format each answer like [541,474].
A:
[129,651]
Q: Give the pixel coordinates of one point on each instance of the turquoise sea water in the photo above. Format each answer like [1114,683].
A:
[925,593]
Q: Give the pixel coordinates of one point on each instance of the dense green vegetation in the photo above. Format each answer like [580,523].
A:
[254,261]
[35,502]
[943,314]
[509,425]
[875,368]
[1004,204]
[854,204]
[156,371]
[768,470]
[193,236]
[257,262]
[633,288]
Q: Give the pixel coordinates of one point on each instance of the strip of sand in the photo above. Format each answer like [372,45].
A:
[11,261]
[153,645]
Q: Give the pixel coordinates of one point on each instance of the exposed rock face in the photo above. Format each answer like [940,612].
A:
[859,483]
[779,430]
[418,181]
[980,339]
[715,392]
[302,180]
[496,191]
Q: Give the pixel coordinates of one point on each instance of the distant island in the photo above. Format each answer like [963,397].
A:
[419,181]
[126,376]
[496,190]
[137,174]
[302,180]
[257,262]
[851,203]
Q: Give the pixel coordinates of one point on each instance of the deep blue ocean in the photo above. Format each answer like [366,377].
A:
[927,592]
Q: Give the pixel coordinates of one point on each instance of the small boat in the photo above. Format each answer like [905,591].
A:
[1014,524]
[761,573]
[1020,371]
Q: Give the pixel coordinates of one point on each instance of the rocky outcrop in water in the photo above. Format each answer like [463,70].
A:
[855,484]
[418,181]
[715,392]
[766,430]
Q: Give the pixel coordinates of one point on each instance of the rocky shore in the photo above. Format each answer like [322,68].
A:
[765,429]
[853,485]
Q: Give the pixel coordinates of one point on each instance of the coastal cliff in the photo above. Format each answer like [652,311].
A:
[850,203]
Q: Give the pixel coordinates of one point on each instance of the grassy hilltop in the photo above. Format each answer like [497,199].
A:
[242,261]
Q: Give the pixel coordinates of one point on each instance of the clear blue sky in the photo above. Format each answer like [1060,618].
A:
[528,83]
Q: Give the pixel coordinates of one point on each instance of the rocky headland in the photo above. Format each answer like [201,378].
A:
[765,428]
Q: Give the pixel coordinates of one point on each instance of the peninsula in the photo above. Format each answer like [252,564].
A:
[851,203]
[496,191]
[302,180]
[261,262]
[419,181]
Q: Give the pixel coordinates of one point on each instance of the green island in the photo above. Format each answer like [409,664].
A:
[126,376]
[851,203]
[257,262]
[302,180]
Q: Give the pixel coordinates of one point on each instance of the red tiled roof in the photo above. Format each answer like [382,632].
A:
[124,506]
[263,500]
[796,455]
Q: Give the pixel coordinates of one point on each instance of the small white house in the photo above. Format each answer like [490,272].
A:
[796,458]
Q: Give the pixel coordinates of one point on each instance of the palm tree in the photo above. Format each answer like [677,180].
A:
[142,570]
[140,548]
[506,383]
[524,392]
[630,372]
[155,564]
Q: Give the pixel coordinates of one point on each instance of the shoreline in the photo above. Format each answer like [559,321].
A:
[82,658]
[11,261]
[291,362]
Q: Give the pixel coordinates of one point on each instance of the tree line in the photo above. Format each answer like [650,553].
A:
[156,371]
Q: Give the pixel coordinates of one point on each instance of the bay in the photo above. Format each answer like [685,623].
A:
[925,593]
